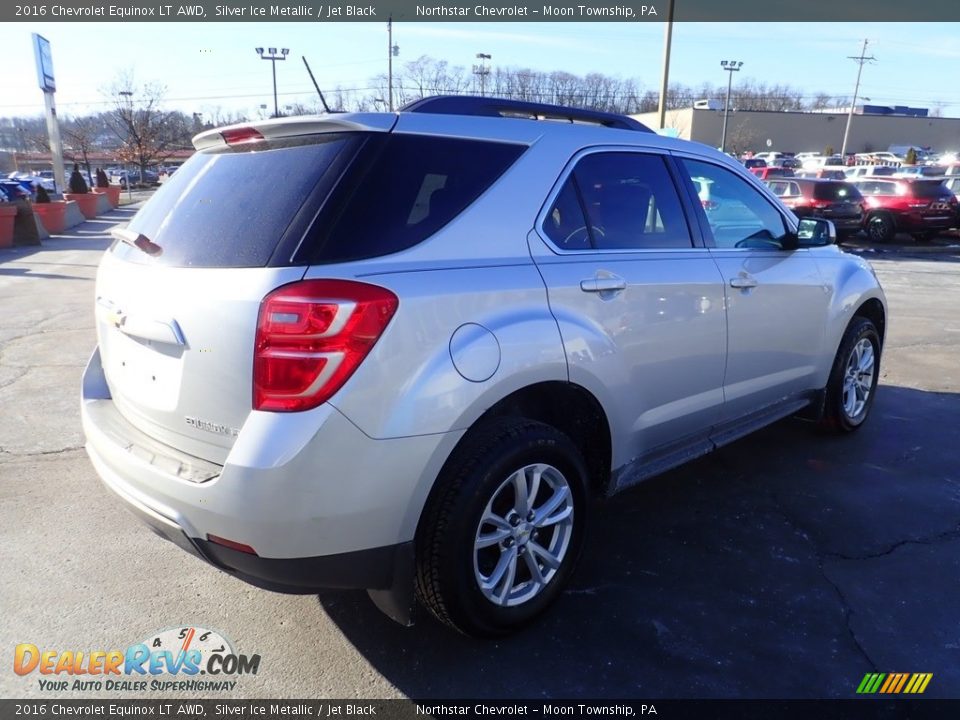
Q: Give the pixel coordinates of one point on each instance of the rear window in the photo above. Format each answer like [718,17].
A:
[230,207]
[836,191]
[928,189]
[414,186]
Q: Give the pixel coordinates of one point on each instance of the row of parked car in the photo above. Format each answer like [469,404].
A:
[882,206]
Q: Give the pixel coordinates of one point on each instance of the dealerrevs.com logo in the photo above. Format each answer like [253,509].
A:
[183,653]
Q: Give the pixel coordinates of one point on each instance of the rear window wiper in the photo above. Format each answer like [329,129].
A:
[137,240]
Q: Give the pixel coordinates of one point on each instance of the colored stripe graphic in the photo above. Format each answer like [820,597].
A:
[875,685]
[894,683]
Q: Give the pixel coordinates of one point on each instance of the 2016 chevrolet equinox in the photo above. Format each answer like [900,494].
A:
[403,351]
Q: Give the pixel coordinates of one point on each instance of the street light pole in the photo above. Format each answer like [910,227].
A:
[273,57]
[731,66]
[482,70]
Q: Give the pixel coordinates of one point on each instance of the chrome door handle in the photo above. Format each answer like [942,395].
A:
[743,282]
[603,284]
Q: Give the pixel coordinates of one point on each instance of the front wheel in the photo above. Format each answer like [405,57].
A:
[851,390]
[504,528]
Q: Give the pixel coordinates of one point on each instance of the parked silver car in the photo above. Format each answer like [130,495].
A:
[410,365]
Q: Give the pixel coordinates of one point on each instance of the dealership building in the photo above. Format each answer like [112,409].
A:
[874,128]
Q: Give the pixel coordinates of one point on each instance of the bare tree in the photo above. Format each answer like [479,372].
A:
[82,136]
[148,134]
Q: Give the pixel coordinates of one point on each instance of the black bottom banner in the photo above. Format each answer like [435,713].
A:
[412,709]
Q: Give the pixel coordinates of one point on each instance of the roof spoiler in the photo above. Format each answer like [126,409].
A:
[501,107]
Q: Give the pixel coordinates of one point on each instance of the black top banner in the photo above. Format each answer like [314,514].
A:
[498,11]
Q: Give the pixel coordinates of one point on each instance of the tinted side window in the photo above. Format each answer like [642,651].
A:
[738,215]
[631,202]
[414,186]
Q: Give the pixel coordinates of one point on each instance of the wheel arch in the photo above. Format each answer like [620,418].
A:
[566,406]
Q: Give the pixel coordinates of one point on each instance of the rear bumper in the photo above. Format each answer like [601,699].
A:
[322,504]
[373,568]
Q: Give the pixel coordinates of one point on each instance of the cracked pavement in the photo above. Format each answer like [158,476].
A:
[788,564]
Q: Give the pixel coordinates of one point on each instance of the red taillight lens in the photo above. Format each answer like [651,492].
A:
[239,136]
[311,336]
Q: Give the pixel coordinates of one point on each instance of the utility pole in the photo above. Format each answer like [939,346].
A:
[668,35]
[861,59]
[272,56]
[390,52]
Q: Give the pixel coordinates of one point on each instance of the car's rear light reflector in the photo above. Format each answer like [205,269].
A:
[233,545]
[239,136]
[311,336]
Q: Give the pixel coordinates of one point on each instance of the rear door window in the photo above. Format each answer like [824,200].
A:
[230,207]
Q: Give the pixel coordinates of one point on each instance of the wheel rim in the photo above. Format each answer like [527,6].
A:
[523,535]
[858,379]
[878,228]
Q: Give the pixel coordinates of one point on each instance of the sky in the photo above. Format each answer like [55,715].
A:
[209,65]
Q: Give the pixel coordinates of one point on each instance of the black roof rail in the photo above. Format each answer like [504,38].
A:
[500,107]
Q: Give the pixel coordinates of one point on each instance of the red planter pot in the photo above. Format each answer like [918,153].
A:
[52,215]
[112,192]
[87,202]
[8,214]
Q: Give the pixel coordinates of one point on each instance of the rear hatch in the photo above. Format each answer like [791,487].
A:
[934,201]
[178,293]
[837,200]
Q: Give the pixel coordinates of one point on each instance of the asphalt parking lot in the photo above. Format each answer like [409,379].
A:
[786,565]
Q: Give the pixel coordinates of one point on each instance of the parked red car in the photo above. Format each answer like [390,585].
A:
[834,200]
[765,173]
[921,208]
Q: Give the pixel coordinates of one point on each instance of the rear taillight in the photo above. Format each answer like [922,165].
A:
[821,204]
[311,336]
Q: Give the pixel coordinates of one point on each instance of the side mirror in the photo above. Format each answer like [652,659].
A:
[813,232]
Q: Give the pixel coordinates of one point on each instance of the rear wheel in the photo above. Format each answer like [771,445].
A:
[502,533]
[853,380]
[880,228]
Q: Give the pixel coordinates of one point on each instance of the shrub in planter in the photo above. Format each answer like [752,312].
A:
[104,187]
[51,214]
[78,185]
[86,200]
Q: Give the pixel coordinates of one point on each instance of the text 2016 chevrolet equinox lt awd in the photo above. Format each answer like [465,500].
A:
[403,352]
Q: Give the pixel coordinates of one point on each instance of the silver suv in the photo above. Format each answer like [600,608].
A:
[403,352]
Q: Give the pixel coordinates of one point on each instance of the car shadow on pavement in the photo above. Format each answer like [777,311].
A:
[788,564]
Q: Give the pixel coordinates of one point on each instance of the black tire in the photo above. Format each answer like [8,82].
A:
[837,417]
[881,228]
[448,574]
